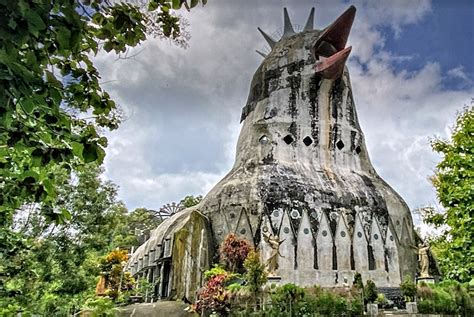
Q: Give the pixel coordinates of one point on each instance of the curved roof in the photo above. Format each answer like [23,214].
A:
[162,232]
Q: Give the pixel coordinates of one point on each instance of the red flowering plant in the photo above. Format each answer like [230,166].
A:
[233,252]
[213,296]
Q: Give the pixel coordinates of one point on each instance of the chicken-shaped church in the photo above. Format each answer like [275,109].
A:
[302,175]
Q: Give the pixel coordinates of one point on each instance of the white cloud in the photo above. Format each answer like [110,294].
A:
[184,105]
[459,73]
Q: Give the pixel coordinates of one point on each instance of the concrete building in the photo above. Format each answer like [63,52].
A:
[302,172]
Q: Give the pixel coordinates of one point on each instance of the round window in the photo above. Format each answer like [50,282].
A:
[295,214]
[264,140]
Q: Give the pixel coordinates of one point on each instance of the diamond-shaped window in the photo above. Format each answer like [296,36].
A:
[288,139]
[307,141]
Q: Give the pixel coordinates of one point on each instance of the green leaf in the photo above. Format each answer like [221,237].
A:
[12,23]
[30,173]
[176,4]
[194,3]
[153,5]
[35,23]
[77,149]
[103,141]
[28,105]
[50,78]
[90,153]
[48,187]
[66,214]
[62,36]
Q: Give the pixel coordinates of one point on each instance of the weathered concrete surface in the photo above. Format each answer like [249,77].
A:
[412,308]
[176,254]
[372,310]
[158,309]
[303,172]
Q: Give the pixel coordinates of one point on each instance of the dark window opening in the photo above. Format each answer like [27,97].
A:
[371,257]
[166,279]
[352,258]
[340,144]
[358,150]
[315,259]
[288,139]
[295,248]
[307,141]
[334,257]
[324,49]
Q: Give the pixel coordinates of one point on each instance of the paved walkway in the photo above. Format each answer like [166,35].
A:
[158,309]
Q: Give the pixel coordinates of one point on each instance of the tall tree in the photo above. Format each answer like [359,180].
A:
[52,106]
[60,265]
[51,101]
[190,201]
[454,183]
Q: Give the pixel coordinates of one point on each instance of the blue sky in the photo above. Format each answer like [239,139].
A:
[411,71]
[444,35]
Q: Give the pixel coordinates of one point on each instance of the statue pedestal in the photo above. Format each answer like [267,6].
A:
[372,309]
[427,280]
[412,308]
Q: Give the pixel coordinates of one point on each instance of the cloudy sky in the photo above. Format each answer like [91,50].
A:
[411,68]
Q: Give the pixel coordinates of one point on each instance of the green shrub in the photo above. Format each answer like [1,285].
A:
[440,302]
[292,300]
[288,299]
[328,304]
[255,274]
[356,307]
[381,300]
[234,287]
[215,270]
[408,288]
[358,281]
[101,306]
[370,292]
[447,297]
[460,292]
